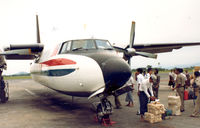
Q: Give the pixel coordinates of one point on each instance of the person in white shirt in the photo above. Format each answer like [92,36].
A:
[145,95]
[139,78]
[129,95]
[149,73]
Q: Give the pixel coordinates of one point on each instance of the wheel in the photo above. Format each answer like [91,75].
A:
[7,90]
[99,113]
[3,96]
[4,93]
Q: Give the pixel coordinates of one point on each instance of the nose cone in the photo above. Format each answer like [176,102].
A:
[116,73]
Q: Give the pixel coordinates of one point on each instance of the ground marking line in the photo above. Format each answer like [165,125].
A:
[30,92]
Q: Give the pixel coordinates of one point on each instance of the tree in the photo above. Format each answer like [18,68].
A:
[149,66]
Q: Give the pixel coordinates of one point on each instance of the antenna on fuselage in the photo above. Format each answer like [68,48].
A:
[37,30]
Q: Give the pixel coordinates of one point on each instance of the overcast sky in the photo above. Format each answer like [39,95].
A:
[157,21]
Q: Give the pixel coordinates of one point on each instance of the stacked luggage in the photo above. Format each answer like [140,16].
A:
[174,104]
[155,111]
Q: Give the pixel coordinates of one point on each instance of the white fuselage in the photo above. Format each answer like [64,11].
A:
[81,72]
[75,75]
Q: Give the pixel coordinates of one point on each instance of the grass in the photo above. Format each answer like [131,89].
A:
[16,77]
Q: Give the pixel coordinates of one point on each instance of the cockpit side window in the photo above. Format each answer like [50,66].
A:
[65,47]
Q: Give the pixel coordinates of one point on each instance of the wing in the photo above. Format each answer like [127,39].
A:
[22,51]
[149,50]
[160,48]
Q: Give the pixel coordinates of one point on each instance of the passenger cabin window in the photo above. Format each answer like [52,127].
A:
[65,47]
[83,45]
[103,44]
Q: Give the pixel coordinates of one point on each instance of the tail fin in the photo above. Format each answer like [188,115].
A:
[37,30]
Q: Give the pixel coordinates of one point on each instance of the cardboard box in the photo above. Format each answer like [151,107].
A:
[174,104]
[156,108]
[174,100]
[151,118]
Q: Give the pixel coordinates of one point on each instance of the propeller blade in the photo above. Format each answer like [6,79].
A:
[146,54]
[37,30]
[132,34]
[118,49]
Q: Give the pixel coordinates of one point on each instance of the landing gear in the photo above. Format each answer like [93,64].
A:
[103,112]
[4,91]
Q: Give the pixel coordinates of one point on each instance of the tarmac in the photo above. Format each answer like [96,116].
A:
[32,105]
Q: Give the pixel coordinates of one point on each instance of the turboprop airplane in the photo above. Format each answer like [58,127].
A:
[85,67]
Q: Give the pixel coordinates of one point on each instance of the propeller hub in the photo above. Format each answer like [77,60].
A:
[131,51]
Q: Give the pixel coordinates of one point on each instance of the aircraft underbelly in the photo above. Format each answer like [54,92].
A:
[81,78]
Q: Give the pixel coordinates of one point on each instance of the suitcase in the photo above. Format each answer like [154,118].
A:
[185,95]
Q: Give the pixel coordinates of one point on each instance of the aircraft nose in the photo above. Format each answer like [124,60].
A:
[116,73]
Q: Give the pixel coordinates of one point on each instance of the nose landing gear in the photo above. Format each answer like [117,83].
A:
[103,112]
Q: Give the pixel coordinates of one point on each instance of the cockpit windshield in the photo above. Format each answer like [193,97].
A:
[87,44]
[90,44]
[103,44]
[83,44]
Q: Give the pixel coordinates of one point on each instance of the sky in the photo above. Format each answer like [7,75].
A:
[157,21]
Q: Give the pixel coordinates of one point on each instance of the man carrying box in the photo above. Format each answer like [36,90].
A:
[145,95]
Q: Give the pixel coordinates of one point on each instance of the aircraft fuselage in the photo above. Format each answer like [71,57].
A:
[81,72]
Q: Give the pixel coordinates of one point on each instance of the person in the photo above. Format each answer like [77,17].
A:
[139,78]
[187,82]
[129,95]
[117,102]
[181,72]
[156,82]
[145,95]
[3,65]
[149,73]
[179,86]
[144,73]
[197,102]
[183,75]
[172,78]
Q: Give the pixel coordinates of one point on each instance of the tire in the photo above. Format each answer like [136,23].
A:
[4,93]
[3,96]
[99,110]
[101,117]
